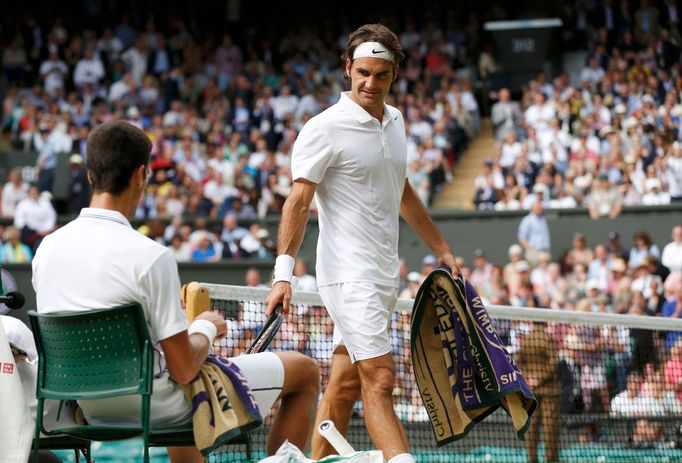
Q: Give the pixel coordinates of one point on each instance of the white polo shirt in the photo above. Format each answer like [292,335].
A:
[100,261]
[359,166]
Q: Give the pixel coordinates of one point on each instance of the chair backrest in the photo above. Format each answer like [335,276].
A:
[93,354]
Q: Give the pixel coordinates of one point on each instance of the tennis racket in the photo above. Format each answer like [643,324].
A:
[268,332]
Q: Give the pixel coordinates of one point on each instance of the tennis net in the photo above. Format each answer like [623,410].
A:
[609,386]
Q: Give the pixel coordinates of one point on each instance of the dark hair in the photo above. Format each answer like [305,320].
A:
[644,236]
[114,150]
[374,33]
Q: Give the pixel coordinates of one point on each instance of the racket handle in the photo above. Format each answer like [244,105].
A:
[334,437]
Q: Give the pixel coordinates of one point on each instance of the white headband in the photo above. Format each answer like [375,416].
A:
[373,50]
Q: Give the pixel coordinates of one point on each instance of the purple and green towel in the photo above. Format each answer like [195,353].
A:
[223,406]
[463,371]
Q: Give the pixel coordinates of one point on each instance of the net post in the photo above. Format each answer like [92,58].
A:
[195,298]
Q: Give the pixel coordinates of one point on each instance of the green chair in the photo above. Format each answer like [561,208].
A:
[97,354]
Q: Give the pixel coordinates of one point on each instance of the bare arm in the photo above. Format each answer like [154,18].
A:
[289,237]
[185,354]
[417,216]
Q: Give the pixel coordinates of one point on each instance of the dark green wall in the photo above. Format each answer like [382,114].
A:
[492,231]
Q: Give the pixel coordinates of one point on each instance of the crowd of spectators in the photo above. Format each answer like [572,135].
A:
[611,140]
[222,114]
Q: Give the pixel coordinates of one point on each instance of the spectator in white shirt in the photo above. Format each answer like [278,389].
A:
[89,70]
[217,190]
[674,171]
[283,103]
[655,196]
[540,113]
[13,192]
[672,252]
[124,87]
[562,200]
[35,217]
[630,402]
[592,73]
[135,60]
[509,150]
[53,71]
[306,281]
[506,202]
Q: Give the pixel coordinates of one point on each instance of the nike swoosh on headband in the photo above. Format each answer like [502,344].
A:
[373,50]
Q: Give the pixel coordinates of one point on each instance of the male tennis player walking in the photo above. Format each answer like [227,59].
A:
[353,158]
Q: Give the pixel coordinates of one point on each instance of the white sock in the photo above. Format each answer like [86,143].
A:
[402,458]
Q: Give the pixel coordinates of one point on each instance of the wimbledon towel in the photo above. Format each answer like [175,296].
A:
[222,404]
[463,371]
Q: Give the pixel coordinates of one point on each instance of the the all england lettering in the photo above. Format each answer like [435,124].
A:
[432,410]
[508,378]
[468,384]
[482,315]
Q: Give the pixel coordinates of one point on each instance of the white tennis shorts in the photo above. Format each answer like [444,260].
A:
[362,316]
[265,374]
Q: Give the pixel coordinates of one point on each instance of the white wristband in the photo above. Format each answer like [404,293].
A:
[284,268]
[204,327]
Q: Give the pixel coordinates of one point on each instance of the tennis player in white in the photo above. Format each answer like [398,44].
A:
[98,260]
[352,157]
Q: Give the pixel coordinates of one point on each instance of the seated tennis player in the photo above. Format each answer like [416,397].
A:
[98,261]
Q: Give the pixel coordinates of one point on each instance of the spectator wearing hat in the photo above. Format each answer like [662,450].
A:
[429,263]
[482,271]
[522,277]
[540,194]
[604,201]
[614,246]
[533,233]
[514,254]
[267,247]
[646,280]
[618,272]
[414,280]
[79,187]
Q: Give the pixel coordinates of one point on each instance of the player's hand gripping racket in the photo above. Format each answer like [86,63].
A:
[269,331]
